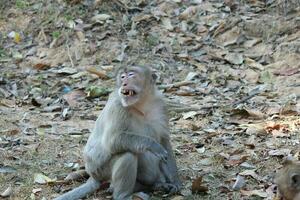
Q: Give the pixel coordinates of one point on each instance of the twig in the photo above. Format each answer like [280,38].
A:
[179,107]
[125,6]
[192,108]
[246,98]
[178,84]
[70,57]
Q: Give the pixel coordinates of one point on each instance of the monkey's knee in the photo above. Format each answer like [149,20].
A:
[124,174]
[148,169]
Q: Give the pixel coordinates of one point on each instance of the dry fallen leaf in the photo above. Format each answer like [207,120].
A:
[252,173]
[279,152]
[259,193]
[239,183]
[41,66]
[7,193]
[237,159]
[36,190]
[189,12]
[234,58]
[277,129]
[189,114]
[178,198]
[100,73]
[166,22]
[140,196]
[77,175]
[73,97]
[287,71]
[198,187]
[42,179]
[100,18]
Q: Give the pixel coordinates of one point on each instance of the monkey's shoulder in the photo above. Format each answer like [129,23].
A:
[114,108]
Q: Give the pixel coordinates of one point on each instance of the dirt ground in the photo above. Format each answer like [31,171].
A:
[229,69]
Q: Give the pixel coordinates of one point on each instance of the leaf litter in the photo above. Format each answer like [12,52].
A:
[229,71]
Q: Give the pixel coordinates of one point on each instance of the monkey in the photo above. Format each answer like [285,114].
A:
[130,143]
[288,180]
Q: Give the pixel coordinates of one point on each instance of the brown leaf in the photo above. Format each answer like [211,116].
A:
[236,160]
[277,129]
[41,66]
[288,71]
[249,113]
[252,173]
[197,186]
[189,12]
[100,73]
[73,97]
[229,37]
[77,175]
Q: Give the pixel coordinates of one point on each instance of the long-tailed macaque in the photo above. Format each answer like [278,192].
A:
[288,180]
[130,144]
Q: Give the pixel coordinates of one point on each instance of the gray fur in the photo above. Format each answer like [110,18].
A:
[130,146]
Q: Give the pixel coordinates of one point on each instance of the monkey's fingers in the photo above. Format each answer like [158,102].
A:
[110,189]
[173,189]
[162,156]
[159,151]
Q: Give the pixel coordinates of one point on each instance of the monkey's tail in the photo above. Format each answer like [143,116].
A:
[87,188]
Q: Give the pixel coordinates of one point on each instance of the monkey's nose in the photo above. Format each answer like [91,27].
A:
[124,84]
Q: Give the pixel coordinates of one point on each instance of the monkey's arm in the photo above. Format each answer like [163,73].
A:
[137,144]
[170,167]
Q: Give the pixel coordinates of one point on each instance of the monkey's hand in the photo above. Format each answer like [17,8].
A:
[171,188]
[159,151]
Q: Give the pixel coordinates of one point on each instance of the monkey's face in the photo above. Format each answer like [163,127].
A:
[288,180]
[131,83]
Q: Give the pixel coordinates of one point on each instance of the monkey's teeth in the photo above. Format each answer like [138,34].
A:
[130,93]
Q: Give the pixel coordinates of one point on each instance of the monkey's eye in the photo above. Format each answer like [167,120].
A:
[130,73]
[122,76]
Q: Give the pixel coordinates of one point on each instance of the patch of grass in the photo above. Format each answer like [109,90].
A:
[21,4]
[2,53]
[152,40]
[56,34]
[68,17]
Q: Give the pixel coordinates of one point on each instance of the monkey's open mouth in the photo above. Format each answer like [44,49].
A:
[128,92]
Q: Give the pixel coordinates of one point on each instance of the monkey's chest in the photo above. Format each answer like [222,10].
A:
[149,128]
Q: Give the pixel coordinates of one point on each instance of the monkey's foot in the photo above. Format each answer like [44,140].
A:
[141,195]
[110,190]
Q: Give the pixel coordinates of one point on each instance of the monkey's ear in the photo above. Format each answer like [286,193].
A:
[295,179]
[288,160]
[154,77]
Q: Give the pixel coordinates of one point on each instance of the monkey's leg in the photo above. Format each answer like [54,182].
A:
[148,169]
[124,173]
[153,174]
[87,188]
